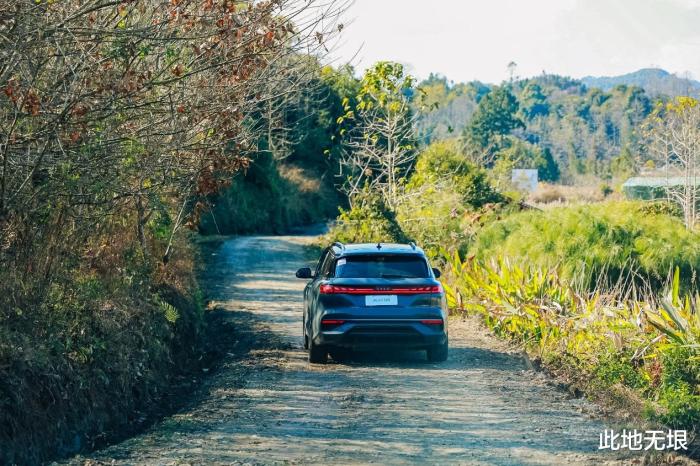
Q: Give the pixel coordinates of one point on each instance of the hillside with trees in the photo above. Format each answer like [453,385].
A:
[655,81]
[586,131]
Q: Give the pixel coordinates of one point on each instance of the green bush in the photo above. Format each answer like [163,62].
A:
[662,207]
[680,378]
[442,166]
[447,197]
[368,221]
[597,243]
[614,367]
[435,219]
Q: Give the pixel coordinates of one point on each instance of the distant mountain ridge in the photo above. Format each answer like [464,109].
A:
[654,81]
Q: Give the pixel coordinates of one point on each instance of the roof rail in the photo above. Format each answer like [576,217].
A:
[339,245]
[413,245]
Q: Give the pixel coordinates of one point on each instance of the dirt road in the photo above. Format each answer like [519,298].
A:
[268,405]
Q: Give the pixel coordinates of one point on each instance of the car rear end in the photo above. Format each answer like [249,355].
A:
[381,300]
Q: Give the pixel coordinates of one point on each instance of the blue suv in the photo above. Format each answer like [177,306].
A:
[365,296]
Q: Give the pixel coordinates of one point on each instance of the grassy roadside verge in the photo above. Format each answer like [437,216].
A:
[635,358]
[101,359]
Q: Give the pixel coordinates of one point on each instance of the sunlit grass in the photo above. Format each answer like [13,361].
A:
[609,337]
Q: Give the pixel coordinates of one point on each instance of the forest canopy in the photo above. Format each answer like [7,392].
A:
[584,129]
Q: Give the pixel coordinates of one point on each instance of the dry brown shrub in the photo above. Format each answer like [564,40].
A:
[547,193]
[557,194]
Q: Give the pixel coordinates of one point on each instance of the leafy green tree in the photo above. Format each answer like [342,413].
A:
[315,126]
[623,165]
[548,168]
[533,102]
[522,154]
[495,118]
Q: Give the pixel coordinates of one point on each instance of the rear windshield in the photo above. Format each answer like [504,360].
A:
[378,266]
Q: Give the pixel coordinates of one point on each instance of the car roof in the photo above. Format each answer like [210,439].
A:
[340,249]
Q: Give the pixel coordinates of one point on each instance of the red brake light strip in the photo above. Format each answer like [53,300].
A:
[431,321]
[332,322]
[337,289]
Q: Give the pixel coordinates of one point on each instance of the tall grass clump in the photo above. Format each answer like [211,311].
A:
[597,244]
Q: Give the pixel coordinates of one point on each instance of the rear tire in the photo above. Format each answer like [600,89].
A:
[317,354]
[437,353]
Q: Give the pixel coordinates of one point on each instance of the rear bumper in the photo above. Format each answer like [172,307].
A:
[391,333]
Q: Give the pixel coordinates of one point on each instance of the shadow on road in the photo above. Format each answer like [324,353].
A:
[462,357]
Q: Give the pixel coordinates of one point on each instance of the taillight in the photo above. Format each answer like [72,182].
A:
[331,322]
[337,289]
[431,321]
[327,289]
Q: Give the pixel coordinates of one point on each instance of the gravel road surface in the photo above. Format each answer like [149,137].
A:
[268,405]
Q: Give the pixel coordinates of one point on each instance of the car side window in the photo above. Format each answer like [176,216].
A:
[320,263]
[327,266]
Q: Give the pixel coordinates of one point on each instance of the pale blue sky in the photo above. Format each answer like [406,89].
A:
[469,39]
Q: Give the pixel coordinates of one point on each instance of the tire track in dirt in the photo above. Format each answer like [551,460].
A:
[267,404]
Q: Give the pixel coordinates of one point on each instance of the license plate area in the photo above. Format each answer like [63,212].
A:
[381,300]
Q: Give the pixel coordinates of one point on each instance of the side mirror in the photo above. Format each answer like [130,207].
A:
[304,272]
[436,272]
